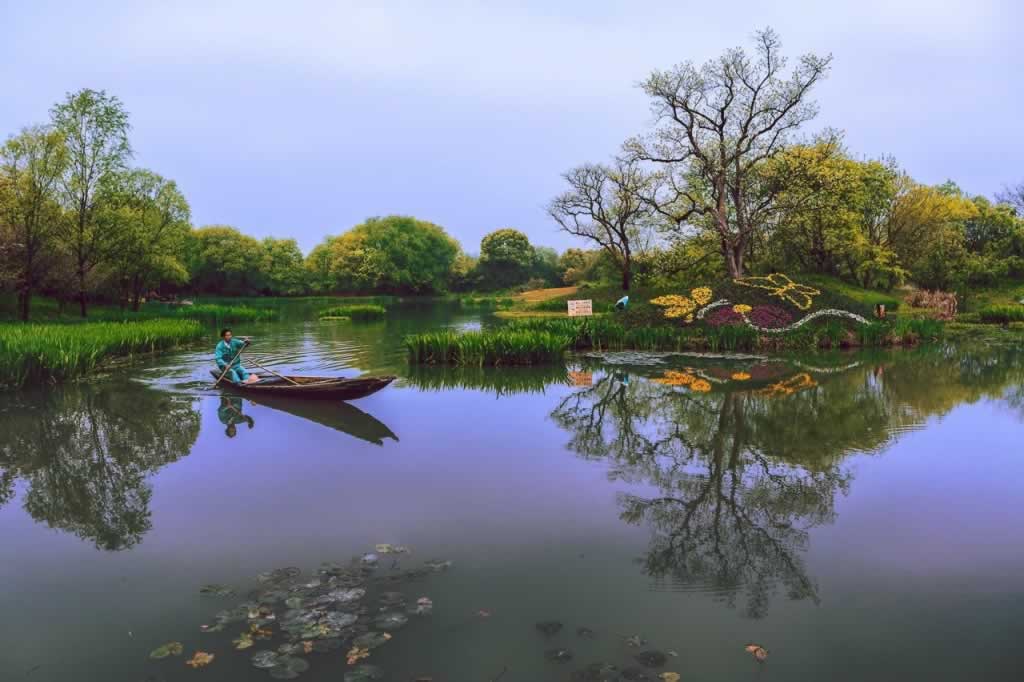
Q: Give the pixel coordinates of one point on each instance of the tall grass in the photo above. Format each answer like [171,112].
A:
[1001,314]
[32,353]
[536,341]
[355,312]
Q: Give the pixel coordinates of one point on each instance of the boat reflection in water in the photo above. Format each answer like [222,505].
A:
[337,415]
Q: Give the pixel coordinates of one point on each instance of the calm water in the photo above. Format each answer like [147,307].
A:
[859,515]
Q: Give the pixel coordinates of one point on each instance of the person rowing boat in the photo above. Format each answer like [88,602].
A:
[227,355]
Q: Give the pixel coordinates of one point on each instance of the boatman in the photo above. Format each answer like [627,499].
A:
[227,351]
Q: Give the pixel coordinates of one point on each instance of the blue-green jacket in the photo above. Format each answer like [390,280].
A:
[226,351]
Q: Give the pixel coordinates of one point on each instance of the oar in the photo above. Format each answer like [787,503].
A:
[228,368]
[279,376]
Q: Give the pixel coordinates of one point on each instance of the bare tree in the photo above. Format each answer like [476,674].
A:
[606,205]
[716,125]
[1014,196]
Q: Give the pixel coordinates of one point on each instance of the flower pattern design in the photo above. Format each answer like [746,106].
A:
[781,286]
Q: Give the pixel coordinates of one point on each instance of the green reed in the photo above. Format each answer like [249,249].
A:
[355,312]
[33,353]
[1001,314]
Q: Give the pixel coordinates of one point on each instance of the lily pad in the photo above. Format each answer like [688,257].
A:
[169,649]
[279,575]
[651,659]
[215,590]
[391,599]
[585,633]
[558,655]
[288,668]
[371,640]
[200,659]
[347,595]
[596,672]
[385,548]
[390,621]
[364,673]
[549,627]
[437,565]
[265,659]
[322,646]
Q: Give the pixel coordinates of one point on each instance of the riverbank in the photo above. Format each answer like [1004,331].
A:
[38,353]
[540,341]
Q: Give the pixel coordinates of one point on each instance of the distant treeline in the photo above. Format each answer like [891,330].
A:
[720,186]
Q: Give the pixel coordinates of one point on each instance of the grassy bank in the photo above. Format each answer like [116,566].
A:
[33,353]
[539,341]
[354,312]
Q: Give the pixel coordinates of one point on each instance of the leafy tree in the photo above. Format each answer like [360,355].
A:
[31,164]
[606,205]
[94,126]
[223,260]
[545,266]
[463,275]
[281,267]
[506,258]
[318,266]
[150,218]
[395,254]
[718,123]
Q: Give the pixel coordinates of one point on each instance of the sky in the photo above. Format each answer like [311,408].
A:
[303,118]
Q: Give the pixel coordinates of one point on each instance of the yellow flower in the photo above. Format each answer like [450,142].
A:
[797,382]
[777,284]
[741,308]
[672,378]
[701,386]
[740,376]
[702,295]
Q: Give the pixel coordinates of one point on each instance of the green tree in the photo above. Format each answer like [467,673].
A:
[282,267]
[463,273]
[31,164]
[506,258]
[394,254]
[150,218]
[95,127]
[222,260]
[718,123]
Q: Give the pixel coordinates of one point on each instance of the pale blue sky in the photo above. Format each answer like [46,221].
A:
[302,118]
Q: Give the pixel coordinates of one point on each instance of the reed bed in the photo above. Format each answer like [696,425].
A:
[354,312]
[1001,314]
[34,353]
[545,340]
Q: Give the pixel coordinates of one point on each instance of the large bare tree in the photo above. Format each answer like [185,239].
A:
[605,204]
[715,125]
[1014,196]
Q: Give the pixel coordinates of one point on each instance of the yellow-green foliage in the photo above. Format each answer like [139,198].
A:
[354,312]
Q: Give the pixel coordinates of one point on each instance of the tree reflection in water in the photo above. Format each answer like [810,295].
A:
[744,470]
[84,455]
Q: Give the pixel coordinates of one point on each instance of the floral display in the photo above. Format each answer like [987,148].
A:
[793,384]
[722,316]
[769,317]
[700,385]
[740,376]
[673,378]
[702,295]
[741,308]
[777,284]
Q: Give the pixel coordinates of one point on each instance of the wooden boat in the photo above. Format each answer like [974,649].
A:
[318,388]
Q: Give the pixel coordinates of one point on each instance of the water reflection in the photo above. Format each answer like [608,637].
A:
[230,414]
[337,415]
[745,458]
[84,455]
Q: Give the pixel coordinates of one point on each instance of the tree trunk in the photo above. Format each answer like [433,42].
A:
[734,260]
[81,292]
[136,293]
[627,275]
[24,303]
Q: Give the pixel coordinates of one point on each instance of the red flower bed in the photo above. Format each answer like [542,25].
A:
[770,316]
[725,315]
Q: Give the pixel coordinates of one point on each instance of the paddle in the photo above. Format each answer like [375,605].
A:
[228,368]
[279,376]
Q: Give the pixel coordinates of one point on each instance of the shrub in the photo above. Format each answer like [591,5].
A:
[354,312]
[1001,314]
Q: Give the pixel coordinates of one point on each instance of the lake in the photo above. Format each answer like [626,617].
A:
[858,515]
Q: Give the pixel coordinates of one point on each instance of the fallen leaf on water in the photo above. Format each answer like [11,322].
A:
[355,654]
[201,659]
[244,641]
[261,633]
[169,649]
[669,677]
[307,647]
[758,652]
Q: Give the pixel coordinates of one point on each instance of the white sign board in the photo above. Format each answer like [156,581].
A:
[581,308]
